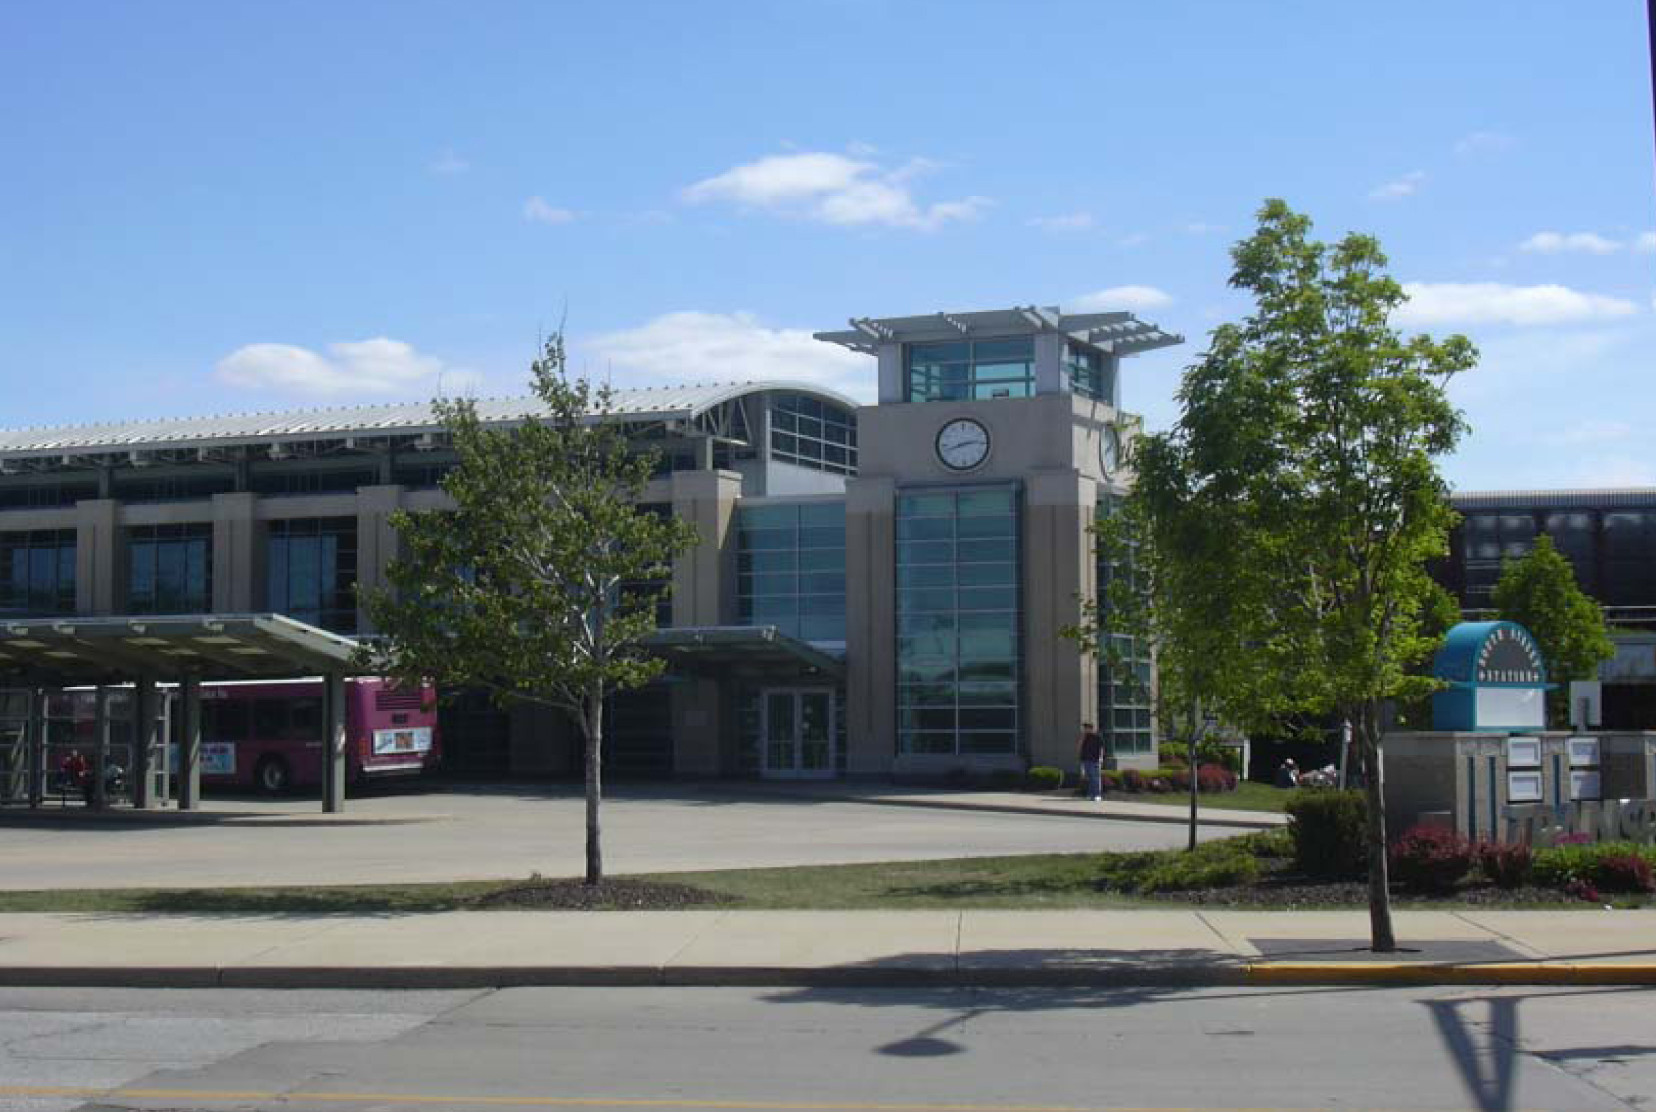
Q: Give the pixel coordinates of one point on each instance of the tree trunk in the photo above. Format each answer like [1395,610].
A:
[594,785]
[1366,725]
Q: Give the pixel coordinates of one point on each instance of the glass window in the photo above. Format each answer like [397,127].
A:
[958,650]
[792,560]
[312,571]
[170,568]
[812,433]
[37,573]
[1123,679]
[1090,373]
[957,371]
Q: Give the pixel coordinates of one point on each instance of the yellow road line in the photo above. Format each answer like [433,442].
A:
[212,1096]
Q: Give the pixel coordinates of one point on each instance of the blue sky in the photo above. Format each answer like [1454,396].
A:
[225,207]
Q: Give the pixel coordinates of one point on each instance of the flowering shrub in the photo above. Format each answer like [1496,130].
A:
[1111,780]
[1430,858]
[1623,872]
[1212,778]
[1157,784]
[1132,780]
[1179,779]
[1563,864]
[1506,866]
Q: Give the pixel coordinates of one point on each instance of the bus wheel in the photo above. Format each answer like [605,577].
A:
[272,776]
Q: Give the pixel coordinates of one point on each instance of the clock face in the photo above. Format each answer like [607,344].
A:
[1109,450]
[962,444]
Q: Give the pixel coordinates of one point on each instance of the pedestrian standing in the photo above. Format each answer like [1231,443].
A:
[1090,751]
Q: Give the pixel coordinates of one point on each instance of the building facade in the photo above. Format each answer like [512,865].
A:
[878,589]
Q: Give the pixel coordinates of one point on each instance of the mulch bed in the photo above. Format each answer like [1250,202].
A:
[610,895]
[1281,889]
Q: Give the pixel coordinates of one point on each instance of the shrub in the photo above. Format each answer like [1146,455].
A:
[1173,754]
[1623,872]
[1506,866]
[1431,858]
[1212,778]
[1157,783]
[1182,872]
[1132,780]
[1566,864]
[1044,778]
[1176,754]
[1329,829]
[1178,779]
[1111,779]
[1275,844]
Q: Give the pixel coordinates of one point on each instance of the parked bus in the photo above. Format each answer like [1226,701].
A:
[268,734]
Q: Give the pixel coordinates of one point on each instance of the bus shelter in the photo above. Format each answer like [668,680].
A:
[127,661]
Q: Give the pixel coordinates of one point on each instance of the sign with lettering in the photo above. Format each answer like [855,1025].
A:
[1510,655]
[1495,679]
[1609,820]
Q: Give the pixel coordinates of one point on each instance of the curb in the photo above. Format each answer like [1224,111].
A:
[1217,975]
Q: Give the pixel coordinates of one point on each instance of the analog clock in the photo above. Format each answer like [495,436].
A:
[962,444]
[1109,451]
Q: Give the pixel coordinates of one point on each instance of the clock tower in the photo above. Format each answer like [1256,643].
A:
[997,437]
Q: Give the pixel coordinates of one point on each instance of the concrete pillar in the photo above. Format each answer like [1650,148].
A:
[1049,364]
[893,375]
[333,744]
[37,746]
[704,579]
[98,556]
[145,725]
[376,540]
[238,554]
[1060,681]
[189,746]
[96,796]
[870,627]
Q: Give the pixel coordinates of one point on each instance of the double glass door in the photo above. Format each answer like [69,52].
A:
[798,729]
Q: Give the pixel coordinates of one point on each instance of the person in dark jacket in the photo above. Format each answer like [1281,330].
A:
[1090,751]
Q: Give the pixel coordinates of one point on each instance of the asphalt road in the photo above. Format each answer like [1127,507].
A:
[482,834]
[751,1050]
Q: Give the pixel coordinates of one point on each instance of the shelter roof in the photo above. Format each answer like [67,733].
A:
[69,651]
[765,648]
[1116,333]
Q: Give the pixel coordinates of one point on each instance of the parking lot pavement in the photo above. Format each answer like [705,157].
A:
[477,833]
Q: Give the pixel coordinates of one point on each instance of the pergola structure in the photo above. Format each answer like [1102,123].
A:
[40,654]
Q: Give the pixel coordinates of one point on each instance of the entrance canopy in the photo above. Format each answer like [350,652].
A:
[743,650]
[73,651]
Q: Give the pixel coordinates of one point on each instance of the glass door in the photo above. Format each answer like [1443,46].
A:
[799,733]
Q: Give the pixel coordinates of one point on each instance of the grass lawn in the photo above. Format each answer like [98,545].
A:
[1248,796]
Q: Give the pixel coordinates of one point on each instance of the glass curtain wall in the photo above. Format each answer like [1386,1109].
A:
[1124,708]
[171,569]
[971,370]
[312,576]
[812,433]
[791,569]
[37,573]
[958,621]
[1089,373]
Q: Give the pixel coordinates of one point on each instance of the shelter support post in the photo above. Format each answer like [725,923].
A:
[189,746]
[146,720]
[333,744]
[37,746]
[97,796]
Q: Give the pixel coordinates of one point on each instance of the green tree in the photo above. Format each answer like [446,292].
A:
[1539,591]
[528,586]
[1309,431]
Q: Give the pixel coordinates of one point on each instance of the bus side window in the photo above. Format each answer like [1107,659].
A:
[224,720]
[270,718]
[305,721]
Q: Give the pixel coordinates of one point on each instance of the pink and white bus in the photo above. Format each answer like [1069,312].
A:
[268,734]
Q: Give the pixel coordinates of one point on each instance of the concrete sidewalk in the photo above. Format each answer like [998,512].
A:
[882,948]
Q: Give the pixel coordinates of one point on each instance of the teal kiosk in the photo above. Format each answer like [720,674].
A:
[1497,680]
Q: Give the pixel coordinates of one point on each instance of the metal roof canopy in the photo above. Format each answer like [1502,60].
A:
[764,647]
[1116,333]
[74,651]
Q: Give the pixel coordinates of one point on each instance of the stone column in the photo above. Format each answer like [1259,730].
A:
[704,579]
[333,744]
[870,627]
[145,722]
[96,796]
[1060,682]
[238,554]
[37,747]
[189,746]
[376,540]
[98,552]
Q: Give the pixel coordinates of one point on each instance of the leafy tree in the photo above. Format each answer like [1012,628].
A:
[1303,464]
[1539,592]
[527,587]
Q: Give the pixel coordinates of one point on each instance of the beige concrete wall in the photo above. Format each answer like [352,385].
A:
[1060,681]
[376,540]
[238,554]
[704,579]
[870,626]
[98,557]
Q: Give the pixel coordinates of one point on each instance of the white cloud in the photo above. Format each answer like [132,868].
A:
[1130,298]
[1592,431]
[1553,243]
[1484,142]
[374,366]
[692,346]
[1435,303]
[834,189]
[536,210]
[449,164]
[1065,222]
[1646,242]
[1406,186]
